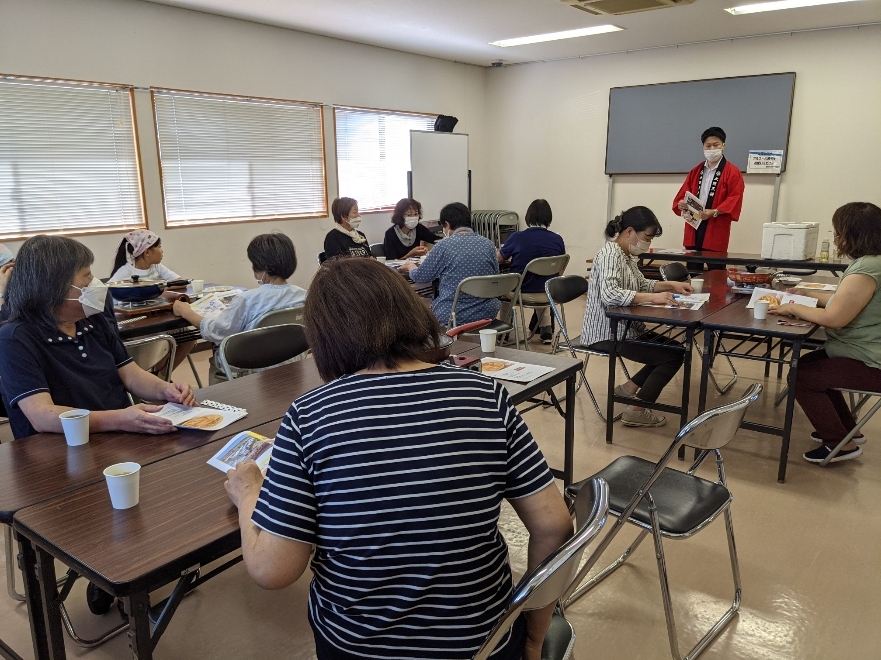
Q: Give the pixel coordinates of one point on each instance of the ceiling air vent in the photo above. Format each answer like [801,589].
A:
[615,7]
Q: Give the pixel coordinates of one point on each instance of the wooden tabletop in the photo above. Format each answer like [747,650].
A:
[714,284]
[42,466]
[183,508]
[743,259]
[737,318]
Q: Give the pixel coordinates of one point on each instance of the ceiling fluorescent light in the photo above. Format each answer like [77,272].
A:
[553,36]
[780,4]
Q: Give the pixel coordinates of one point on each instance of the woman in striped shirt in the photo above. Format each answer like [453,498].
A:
[615,281]
[395,471]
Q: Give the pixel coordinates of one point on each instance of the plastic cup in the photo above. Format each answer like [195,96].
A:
[124,484]
[197,285]
[488,340]
[76,427]
[381,260]
[760,309]
[697,284]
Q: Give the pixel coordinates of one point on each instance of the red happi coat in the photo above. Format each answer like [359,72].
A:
[728,200]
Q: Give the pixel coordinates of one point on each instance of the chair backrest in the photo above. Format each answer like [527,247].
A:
[150,351]
[377,249]
[567,288]
[675,272]
[547,266]
[284,316]
[486,286]
[262,347]
[555,577]
[715,428]
[321,258]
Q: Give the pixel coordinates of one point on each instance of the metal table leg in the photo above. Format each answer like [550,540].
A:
[705,369]
[686,377]
[27,559]
[610,405]
[569,434]
[141,644]
[790,407]
[48,584]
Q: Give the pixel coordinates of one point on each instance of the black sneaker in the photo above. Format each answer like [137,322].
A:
[819,454]
[98,600]
[547,336]
[860,439]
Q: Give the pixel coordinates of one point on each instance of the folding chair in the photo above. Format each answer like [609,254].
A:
[561,290]
[487,287]
[855,407]
[284,316]
[542,267]
[261,348]
[553,580]
[673,504]
[377,249]
[150,351]
[677,272]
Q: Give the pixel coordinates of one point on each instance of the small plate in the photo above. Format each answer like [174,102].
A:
[216,289]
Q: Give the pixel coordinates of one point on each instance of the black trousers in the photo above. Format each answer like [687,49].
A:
[661,361]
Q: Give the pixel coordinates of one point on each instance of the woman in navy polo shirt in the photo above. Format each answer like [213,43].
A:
[59,352]
[522,247]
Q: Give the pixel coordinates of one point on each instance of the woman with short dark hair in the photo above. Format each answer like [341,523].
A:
[522,247]
[395,471]
[461,254]
[344,240]
[615,281]
[406,237]
[273,260]
[58,352]
[851,356]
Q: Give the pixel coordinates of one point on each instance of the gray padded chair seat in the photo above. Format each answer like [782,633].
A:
[683,501]
[559,640]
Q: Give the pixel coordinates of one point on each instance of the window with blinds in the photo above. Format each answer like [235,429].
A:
[373,154]
[235,159]
[68,158]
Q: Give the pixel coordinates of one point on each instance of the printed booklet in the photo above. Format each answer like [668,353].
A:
[213,417]
[516,371]
[779,298]
[244,446]
[693,214]
[692,302]
[211,305]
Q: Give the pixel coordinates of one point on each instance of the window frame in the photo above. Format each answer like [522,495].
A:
[336,162]
[239,220]
[137,151]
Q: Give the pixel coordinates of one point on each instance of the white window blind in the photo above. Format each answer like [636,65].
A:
[373,154]
[68,158]
[229,159]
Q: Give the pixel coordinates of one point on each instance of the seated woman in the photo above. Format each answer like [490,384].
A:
[385,581]
[59,352]
[273,260]
[851,356]
[461,254]
[522,247]
[615,281]
[403,240]
[344,240]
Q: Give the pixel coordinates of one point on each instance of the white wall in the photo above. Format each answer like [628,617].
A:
[145,44]
[546,128]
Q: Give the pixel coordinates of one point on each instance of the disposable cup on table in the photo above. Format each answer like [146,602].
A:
[76,427]
[381,260]
[697,284]
[124,484]
[198,286]
[488,340]
[760,309]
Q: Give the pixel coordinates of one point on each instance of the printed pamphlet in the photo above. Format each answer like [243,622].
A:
[515,371]
[779,298]
[212,304]
[816,286]
[692,302]
[244,446]
[204,419]
[692,215]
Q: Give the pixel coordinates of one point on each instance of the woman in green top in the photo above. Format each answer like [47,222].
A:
[851,357]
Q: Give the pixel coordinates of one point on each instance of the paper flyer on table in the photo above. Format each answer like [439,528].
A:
[779,298]
[816,286]
[204,419]
[516,371]
[211,305]
[692,302]
[244,446]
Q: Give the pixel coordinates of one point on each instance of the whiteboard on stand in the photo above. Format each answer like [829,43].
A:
[439,170]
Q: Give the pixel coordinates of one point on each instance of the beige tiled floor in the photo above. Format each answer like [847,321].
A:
[808,553]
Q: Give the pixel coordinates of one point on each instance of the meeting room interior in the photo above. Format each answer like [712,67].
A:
[440,330]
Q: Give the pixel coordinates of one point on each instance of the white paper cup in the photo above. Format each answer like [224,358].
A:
[76,427]
[197,285]
[124,484]
[697,284]
[381,260]
[760,309]
[488,340]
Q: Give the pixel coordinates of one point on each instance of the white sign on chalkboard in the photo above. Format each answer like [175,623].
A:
[765,162]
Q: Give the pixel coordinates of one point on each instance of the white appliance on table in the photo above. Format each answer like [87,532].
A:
[790,240]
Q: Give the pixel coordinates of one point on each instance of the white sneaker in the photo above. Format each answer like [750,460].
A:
[620,391]
[644,417]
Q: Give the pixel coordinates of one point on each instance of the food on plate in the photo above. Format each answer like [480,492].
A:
[773,301]
[204,421]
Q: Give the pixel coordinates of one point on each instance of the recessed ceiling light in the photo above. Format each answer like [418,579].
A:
[780,4]
[553,36]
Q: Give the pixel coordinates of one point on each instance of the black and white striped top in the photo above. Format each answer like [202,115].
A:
[398,481]
[614,281]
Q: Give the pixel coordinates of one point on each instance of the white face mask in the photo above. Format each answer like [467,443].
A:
[260,282]
[92,297]
[641,247]
[355,222]
[410,221]
[712,155]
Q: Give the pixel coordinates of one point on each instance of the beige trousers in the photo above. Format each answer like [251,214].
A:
[544,314]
